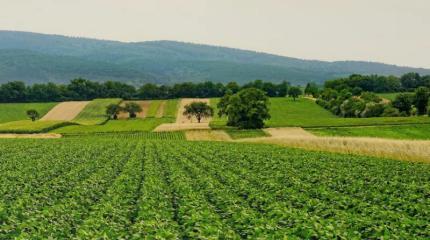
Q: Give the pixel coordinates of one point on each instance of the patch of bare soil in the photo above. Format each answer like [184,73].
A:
[207,135]
[143,104]
[288,132]
[65,111]
[38,135]
[182,122]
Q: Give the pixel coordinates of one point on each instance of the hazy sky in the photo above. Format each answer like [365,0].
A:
[391,31]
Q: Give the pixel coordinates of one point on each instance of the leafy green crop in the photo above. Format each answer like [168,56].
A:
[109,188]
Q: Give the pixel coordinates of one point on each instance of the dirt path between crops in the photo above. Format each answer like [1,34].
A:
[38,135]
[412,150]
[143,104]
[182,122]
[65,111]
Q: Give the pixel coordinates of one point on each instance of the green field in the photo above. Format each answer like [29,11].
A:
[389,96]
[153,107]
[132,125]
[171,108]
[27,126]
[252,133]
[306,113]
[108,188]
[95,111]
[419,132]
[132,135]
[17,111]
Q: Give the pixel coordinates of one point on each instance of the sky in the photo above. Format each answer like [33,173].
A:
[389,31]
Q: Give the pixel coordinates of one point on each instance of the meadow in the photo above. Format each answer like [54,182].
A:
[389,96]
[95,111]
[303,112]
[93,188]
[27,126]
[418,132]
[17,111]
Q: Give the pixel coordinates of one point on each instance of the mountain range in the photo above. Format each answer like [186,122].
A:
[36,58]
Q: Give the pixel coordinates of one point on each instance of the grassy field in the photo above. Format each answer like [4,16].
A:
[419,132]
[389,96]
[27,126]
[239,134]
[95,112]
[133,125]
[306,113]
[153,108]
[17,111]
[108,188]
[171,108]
[131,135]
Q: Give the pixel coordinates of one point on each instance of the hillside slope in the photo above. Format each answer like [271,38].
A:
[33,57]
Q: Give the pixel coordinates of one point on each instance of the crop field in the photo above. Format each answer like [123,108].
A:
[306,113]
[419,132]
[132,135]
[132,125]
[238,134]
[95,111]
[27,126]
[135,189]
[171,108]
[17,111]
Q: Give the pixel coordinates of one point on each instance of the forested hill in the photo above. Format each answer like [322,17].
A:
[33,57]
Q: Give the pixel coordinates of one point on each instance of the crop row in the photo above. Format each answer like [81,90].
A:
[135,189]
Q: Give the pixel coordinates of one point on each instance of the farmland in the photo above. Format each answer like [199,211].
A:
[17,111]
[421,131]
[95,111]
[137,189]
[285,112]
[27,126]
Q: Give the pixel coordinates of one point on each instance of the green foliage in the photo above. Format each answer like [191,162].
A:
[17,111]
[28,126]
[294,92]
[246,109]
[413,132]
[132,108]
[95,112]
[130,125]
[103,188]
[403,102]
[246,133]
[171,108]
[312,89]
[112,110]
[32,114]
[421,100]
[199,110]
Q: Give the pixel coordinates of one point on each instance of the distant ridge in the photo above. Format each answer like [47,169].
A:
[35,58]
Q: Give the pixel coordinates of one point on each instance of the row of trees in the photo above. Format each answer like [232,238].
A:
[132,108]
[367,104]
[82,89]
[376,83]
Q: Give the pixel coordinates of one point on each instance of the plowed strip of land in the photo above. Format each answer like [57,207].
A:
[143,104]
[39,135]
[207,135]
[160,110]
[65,111]
[182,122]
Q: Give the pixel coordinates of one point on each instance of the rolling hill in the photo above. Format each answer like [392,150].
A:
[33,57]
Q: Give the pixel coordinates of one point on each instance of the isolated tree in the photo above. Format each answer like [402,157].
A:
[421,100]
[112,110]
[132,108]
[33,114]
[246,109]
[294,92]
[199,110]
[312,89]
[403,102]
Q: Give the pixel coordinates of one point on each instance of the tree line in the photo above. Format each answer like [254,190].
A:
[379,84]
[83,89]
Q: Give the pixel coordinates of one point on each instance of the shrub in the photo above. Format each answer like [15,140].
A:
[390,111]
[373,110]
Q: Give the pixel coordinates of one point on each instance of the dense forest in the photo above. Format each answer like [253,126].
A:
[82,89]
[40,58]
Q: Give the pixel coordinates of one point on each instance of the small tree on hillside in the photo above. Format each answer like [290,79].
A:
[312,89]
[199,110]
[112,110]
[246,109]
[294,92]
[33,114]
[132,108]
